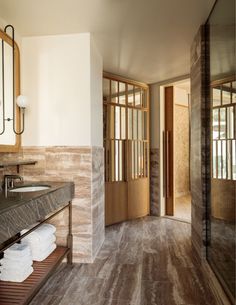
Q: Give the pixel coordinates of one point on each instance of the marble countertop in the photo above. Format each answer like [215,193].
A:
[15,199]
[20,210]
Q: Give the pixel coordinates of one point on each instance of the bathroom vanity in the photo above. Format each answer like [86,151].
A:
[23,208]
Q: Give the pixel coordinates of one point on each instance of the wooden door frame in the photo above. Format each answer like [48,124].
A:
[159,97]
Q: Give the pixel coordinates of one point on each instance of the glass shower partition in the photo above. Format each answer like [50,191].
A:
[221,245]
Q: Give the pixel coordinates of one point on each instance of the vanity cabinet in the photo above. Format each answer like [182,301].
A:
[30,208]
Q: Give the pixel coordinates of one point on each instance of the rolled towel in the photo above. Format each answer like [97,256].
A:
[17,251]
[13,276]
[41,233]
[7,263]
[36,246]
[40,256]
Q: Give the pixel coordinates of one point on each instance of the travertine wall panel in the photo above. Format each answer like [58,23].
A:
[98,208]
[200,152]
[154,182]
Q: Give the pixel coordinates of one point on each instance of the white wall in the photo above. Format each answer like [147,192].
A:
[57,76]
[96,71]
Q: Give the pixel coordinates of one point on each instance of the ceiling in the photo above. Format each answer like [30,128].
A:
[148,41]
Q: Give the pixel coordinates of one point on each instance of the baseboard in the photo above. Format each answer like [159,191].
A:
[177,219]
[220,295]
[183,194]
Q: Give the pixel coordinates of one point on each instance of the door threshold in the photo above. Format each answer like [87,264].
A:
[177,219]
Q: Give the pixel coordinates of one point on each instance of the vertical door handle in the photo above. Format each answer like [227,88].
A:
[164,162]
[167,165]
[166,168]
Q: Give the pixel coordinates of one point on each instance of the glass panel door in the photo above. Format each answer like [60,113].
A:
[126,145]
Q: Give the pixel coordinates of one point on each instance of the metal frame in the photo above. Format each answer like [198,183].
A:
[60,253]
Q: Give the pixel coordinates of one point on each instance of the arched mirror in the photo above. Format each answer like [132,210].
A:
[9,90]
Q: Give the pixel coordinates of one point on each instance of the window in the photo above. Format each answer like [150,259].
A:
[224,131]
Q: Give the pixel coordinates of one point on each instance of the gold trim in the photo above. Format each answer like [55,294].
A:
[123,79]
[222,81]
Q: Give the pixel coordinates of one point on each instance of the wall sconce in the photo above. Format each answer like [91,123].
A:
[21,100]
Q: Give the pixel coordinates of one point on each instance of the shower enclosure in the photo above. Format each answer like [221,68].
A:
[222,201]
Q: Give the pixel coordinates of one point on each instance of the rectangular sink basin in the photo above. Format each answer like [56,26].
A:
[30,188]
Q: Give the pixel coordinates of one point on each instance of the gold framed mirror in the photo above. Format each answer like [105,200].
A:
[9,141]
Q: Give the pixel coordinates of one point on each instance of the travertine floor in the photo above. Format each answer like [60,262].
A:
[183,207]
[144,262]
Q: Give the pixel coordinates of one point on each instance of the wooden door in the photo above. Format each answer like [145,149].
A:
[169,150]
[126,146]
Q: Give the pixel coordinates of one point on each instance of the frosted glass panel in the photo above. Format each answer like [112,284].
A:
[122,93]
[137,97]
[130,95]
[216,97]
[226,94]
[215,126]
[114,91]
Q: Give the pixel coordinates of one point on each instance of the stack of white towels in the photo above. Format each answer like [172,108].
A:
[41,241]
[17,261]
[16,265]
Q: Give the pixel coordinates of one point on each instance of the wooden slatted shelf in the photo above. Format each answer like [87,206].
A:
[21,293]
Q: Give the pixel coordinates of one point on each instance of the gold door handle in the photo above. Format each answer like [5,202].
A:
[164,162]
[167,165]
[166,168]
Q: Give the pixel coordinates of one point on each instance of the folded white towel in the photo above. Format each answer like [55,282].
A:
[40,256]
[13,276]
[16,260]
[38,246]
[18,270]
[13,264]
[17,251]
[41,233]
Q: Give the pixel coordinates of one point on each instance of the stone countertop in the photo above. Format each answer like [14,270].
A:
[20,210]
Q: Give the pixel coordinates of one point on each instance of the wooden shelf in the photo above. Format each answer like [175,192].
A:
[4,164]
[21,293]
